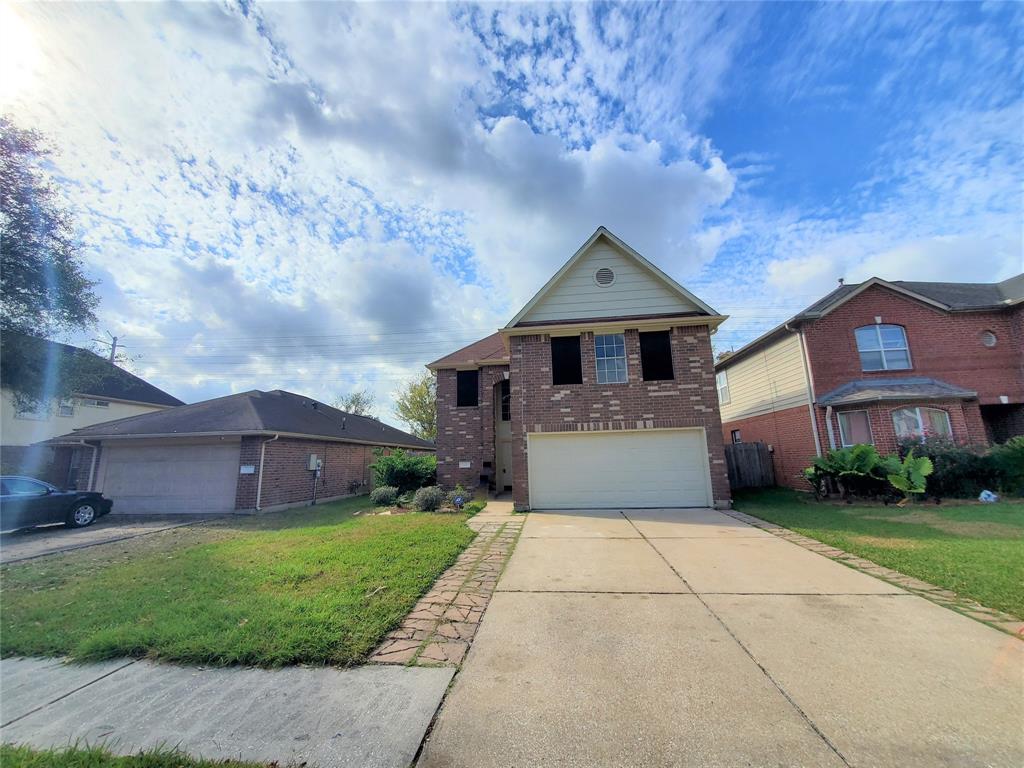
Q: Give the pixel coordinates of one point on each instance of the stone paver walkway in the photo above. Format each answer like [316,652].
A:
[442,624]
[944,597]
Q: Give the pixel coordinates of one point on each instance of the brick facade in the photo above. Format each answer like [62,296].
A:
[690,400]
[945,346]
[789,434]
[466,434]
[286,479]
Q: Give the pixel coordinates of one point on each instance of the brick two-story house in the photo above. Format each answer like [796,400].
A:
[599,393]
[879,361]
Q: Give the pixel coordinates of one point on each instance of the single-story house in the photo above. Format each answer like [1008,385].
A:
[254,451]
[599,393]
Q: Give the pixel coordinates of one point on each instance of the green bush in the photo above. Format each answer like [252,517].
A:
[961,471]
[857,470]
[404,471]
[428,499]
[384,495]
[457,491]
[908,476]
[1009,459]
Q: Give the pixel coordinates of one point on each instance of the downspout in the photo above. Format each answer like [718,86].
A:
[828,426]
[809,378]
[259,478]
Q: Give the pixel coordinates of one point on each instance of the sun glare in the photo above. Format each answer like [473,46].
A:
[18,54]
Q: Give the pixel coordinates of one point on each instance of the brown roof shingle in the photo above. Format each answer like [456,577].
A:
[487,351]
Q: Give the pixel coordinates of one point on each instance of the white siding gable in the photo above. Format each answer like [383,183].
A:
[635,290]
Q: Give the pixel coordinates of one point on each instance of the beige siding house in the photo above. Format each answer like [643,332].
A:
[773,379]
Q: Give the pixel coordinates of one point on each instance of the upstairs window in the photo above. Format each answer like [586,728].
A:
[921,423]
[566,367]
[722,382]
[610,351]
[468,394]
[883,348]
[66,408]
[656,356]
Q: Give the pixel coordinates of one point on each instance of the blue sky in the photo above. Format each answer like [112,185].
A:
[321,197]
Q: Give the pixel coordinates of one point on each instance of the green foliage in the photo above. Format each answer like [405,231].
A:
[910,475]
[856,470]
[961,471]
[1009,460]
[361,402]
[384,495]
[458,490]
[416,406]
[428,499]
[316,586]
[405,471]
[473,507]
[43,288]
[19,756]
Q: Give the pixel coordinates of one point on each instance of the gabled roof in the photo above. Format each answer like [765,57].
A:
[907,388]
[946,297]
[98,377]
[254,413]
[602,232]
[488,351]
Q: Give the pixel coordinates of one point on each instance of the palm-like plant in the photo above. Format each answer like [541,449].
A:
[908,476]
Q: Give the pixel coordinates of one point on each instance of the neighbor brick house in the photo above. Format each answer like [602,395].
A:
[599,393]
[254,451]
[876,362]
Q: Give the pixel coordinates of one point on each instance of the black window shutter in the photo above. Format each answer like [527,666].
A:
[656,356]
[566,366]
[468,389]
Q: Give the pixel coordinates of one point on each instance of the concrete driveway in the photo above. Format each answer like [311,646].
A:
[686,637]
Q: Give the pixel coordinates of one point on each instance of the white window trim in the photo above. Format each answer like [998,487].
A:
[719,378]
[68,403]
[920,422]
[842,436]
[882,349]
[624,358]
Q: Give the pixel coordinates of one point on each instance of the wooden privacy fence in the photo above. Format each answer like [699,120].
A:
[750,465]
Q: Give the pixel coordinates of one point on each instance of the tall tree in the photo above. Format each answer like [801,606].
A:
[416,406]
[43,288]
[361,402]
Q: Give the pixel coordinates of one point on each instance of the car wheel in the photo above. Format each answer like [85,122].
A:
[81,515]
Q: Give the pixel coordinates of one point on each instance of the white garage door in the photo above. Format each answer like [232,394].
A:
[170,479]
[659,468]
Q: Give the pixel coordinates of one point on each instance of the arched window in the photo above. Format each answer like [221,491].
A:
[882,348]
[920,423]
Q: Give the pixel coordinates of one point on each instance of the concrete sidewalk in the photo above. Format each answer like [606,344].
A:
[366,717]
[687,637]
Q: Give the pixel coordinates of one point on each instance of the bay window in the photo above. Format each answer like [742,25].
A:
[920,423]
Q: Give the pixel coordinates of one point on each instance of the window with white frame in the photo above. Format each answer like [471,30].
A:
[722,382]
[854,427]
[610,351]
[921,423]
[66,407]
[883,348]
[94,403]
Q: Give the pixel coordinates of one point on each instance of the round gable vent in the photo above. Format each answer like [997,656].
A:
[988,339]
[604,277]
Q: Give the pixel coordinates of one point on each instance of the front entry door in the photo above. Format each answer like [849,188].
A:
[502,437]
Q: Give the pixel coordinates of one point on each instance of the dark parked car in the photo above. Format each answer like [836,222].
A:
[25,501]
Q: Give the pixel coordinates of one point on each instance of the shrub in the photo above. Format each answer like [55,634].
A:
[428,499]
[403,470]
[909,475]
[1009,459]
[857,470]
[405,500]
[384,495]
[960,471]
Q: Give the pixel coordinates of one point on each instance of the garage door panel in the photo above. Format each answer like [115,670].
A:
[663,468]
[177,479]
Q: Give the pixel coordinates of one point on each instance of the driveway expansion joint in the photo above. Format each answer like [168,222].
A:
[1004,622]
[778,686]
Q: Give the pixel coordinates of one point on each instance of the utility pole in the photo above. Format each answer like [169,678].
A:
[112,344]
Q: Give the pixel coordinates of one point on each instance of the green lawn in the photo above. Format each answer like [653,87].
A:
[317,586]
[94,757]
[975,550]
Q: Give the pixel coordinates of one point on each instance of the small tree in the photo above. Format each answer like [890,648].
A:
[416,406]
[361,402]
[43,288]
